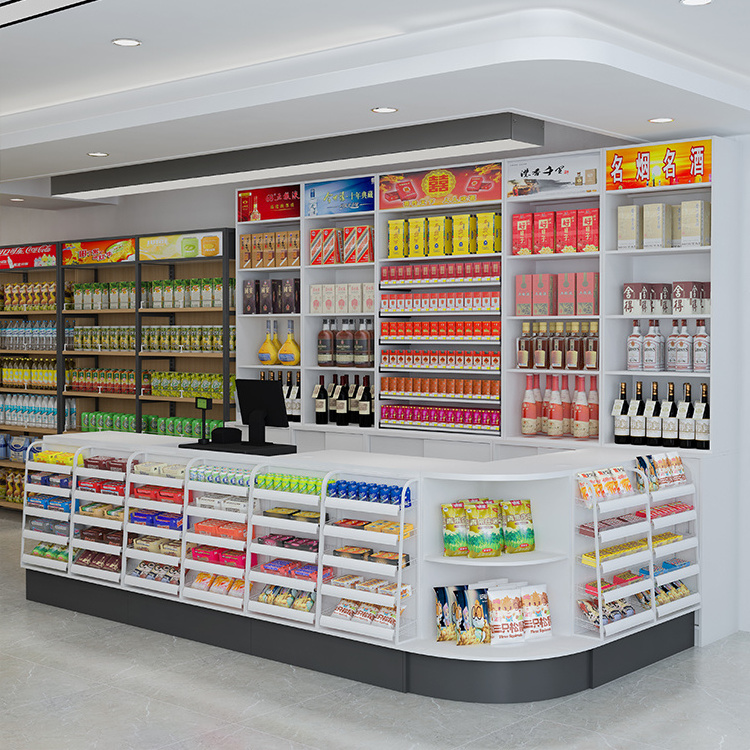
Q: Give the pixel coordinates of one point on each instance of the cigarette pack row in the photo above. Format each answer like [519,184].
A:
[401,385]
[269,250]
[557,294]
[440,330]
[342,299]
[440,301]
[348,245]
[441,359]
[439,273]
[657,225]
[472,420]
[461,234]
[556,232]
[677,298]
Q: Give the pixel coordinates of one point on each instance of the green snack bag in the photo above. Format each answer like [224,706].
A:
[518,526]
[485,534]
[454,530]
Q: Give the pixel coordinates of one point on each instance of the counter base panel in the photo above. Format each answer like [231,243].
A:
[451,679]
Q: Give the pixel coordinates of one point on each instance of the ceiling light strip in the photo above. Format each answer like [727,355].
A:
[41,14]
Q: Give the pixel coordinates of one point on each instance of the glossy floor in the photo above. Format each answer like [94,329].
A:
[72,681]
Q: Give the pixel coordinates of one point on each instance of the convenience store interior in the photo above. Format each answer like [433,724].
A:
[595,74]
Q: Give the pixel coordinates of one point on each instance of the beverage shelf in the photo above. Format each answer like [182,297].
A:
[441,397]
[661,374]
[36,352]
[165,355]
[99,394]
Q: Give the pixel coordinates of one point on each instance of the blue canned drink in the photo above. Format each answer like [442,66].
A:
[407,498]
[373,493]
[333,489]
[362,491]
[351,490]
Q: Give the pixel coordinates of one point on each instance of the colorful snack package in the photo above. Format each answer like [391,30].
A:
[446,630]
[622,479]
[348,581]
[366,613]
[203,581]
[345,609]
[591,587]
[454,530]
[642,464]
[484,536]
[518,526]
[285,598]
[506,615]
[608,482]
[590,611]
[653,477]
[536,614]
[305,601]
[678,470]
[269,592]
[588,495]
[237,589]
[385,618]
[663,469]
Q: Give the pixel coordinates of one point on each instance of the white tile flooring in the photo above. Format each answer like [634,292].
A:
[73,681]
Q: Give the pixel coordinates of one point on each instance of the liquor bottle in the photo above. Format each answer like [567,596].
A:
[701,348]
[334,389]
[541,348]
[545,404]
[538,399]
[276,341]
[255,214]
[366,414]
[353,403]
[635,348]
[685,420]
[326,345]
[591,348]
[286,390]
[593,408]
[268,354]
[361,356]
[580,410]
[370,328]
[289,353]
[652,355]
[555,410]
[523,347]
[702,417]
[669,424]
[557,347]
[320,400]
[684,350]
[528,409]
[295,399]
[671,357]
[574,348]
[636,412]
[342,402]
[567,406]
[344,346]
[653,417]
[620,413]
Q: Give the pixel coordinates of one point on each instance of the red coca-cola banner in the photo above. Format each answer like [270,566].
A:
[28,256]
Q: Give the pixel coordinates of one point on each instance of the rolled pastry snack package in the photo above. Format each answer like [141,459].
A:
[536,616]
[454,530]
[485,533]
[518,526]
[446,630]
[506,615]
[622,479]
[474,627]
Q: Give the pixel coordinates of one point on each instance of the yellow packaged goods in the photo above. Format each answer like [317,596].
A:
[418,237]
[464,234]
[455,543]
[398,238]
[518,527]
[485,534]
[440,230]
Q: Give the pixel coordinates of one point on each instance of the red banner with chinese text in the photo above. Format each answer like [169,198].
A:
[99,251]
[28,256]
[269,203]
[687,163]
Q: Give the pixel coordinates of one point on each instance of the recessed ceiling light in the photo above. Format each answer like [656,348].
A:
[126,42]
[17,200]
[695,2]
[384,110]
[97,153]
[661,120]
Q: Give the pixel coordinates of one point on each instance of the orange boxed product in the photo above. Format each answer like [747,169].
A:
[544,233]
[364,252]
[259,260]
[588,230]
[232,530]
[208,526]
[292,248]
[282,239]
[332,241]
[316,247]
[350,245]
[246,251]
[587,293]
[522,242]
[269,249]
[566,240]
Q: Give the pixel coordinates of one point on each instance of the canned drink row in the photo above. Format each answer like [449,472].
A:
[189,427]
[222,475]
[303,485]
[184,384]
[371,492]
[187,338]
[106,338]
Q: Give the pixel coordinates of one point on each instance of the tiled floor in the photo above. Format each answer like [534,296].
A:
[73,681]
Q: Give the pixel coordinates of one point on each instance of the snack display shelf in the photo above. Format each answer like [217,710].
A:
[620,592]
[159,505]
[287,553]
[485,341]
[107,549]
[366,597]
[639,618]
[117,476]
[260,576]
[385,286]
[140,528]
[678,574]
[215,541]
[42,489]
[381,509]
[279,496]
[220,515]
[286,613]
[57,515]
[626,561]
[222,600]
[680,490]
[140,554]
[441,371]
[447,313]
[363,566]
[623,502]
[285,524]
[221,489]
[54,468]
[535,557]
[97,497]
[664,610]
[41,536]
[357,535]
[157,480]
[105,523]
[44,562]
[442,397]
[147,583]
[89,572]
[621,532]
[215,568]
[360,628]
[668,550]
[673,519]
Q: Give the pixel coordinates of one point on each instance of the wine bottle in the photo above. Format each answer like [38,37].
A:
[538,399]
[361,344]
[702,417]
[528,409]
[653,417]
[286,389]
[334,389]
[342,402]
[636,412]
[545,404]
[320,400]
[651,347]
[593,408]
[580,410]
[326,341]
[294,398]
[620,413]
[685,420]
[366,414]
[672,347]
[353,403]
[669,424]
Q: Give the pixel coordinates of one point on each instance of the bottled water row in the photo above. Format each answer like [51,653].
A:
[31,335]
[36,411]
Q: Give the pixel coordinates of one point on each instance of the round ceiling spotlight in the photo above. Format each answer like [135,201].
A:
[661,120]
[695,2]
[125,42]
[384,110]
[18,200]
[97,153]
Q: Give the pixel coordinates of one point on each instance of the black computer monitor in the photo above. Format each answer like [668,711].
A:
[260,404]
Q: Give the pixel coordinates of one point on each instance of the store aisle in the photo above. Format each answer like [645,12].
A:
[73,681]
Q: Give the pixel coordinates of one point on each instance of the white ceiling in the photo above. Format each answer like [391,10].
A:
[235,74]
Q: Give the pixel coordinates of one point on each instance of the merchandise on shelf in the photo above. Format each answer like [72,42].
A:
[443,330]
[348,245]
[116,295]
[342,299]
[100,560]
[660,225]
[271,296]
[567,346]
[429,302]
[186,293]
[29,373]
[463,388]
[304,485]
[555,413]
[219,584]
[29,297]
[680,352]
[279,596]
[51,551]
[156,572]
[368,614]
[35,411]
[184,384]
[106,338]
[414,274]
[220,475]
[270,249]
[289,542]
[295,569]
[611,611]
[27,334]
[603,484]
[547,232]
[11,486]
[343,403]
[193,338]
[369,492]
[440,359]
[543,293]
[100,381]
[676,298]
[470,420]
